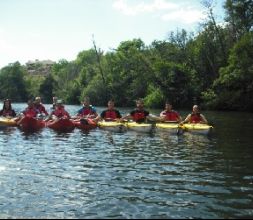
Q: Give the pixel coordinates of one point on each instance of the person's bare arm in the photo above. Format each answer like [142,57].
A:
[187,119]
[127,117]
[203,119]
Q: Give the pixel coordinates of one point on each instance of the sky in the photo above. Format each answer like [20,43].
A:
[60,29]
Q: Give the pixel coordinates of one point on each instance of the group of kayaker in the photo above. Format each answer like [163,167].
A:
[36,109]
[140,115]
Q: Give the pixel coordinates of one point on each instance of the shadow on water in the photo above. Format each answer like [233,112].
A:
[7,130]
[31,135]
[58,134]
[87,132]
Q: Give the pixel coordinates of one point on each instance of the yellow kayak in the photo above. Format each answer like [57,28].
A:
[112,126]
[198,128]
[173,128]
[140,127]
[5,122]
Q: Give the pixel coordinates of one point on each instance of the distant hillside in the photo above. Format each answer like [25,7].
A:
[39,68]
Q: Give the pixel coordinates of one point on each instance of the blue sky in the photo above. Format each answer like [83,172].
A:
[60,29]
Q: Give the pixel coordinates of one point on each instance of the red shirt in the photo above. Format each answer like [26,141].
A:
[139,115]
[111,114]
[60,113]
[41,109]
[195,118]
[87,111]
[30,112]
[171,115]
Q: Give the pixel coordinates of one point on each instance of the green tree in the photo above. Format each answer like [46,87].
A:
[172,73]
[89,76]
[32,84]
[128,75]
[12,83]
[65,74]
[46,89]
[234,88]
[95,90]
[239,16]
[175,82]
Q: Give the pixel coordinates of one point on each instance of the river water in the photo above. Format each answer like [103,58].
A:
[99,174]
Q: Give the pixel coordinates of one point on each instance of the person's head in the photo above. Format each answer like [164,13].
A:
[168,106]
[59,104]
[140,103]
[86,101]
[111,104]
[7,104]
[30,104]
[55,99]
[195,109]
[37,100]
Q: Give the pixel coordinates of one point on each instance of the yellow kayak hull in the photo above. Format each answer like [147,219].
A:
[5,122]
[173,128]
[140,127]
[198,128]
[112,126]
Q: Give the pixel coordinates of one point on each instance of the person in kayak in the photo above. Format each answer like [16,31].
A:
[140,115]
[59,112]
[195,117]
[87,111]
[87,114]
[169,115]
[29,112]
[40,107]
[110,114]
[7,110]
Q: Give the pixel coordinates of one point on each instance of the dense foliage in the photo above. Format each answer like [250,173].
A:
[213,68]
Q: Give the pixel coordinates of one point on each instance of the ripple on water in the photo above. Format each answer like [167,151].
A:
[99,174]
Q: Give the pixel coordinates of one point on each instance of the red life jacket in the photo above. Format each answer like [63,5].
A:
[139,116]
[110,115]
[195,118]
[86,111]
[60,112]
[30,112]
[41,109]
[171,116]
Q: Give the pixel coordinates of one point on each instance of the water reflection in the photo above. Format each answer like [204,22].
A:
[31,135]
[101,174]
[7,130]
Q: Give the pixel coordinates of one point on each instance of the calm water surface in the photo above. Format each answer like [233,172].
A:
[100,174]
